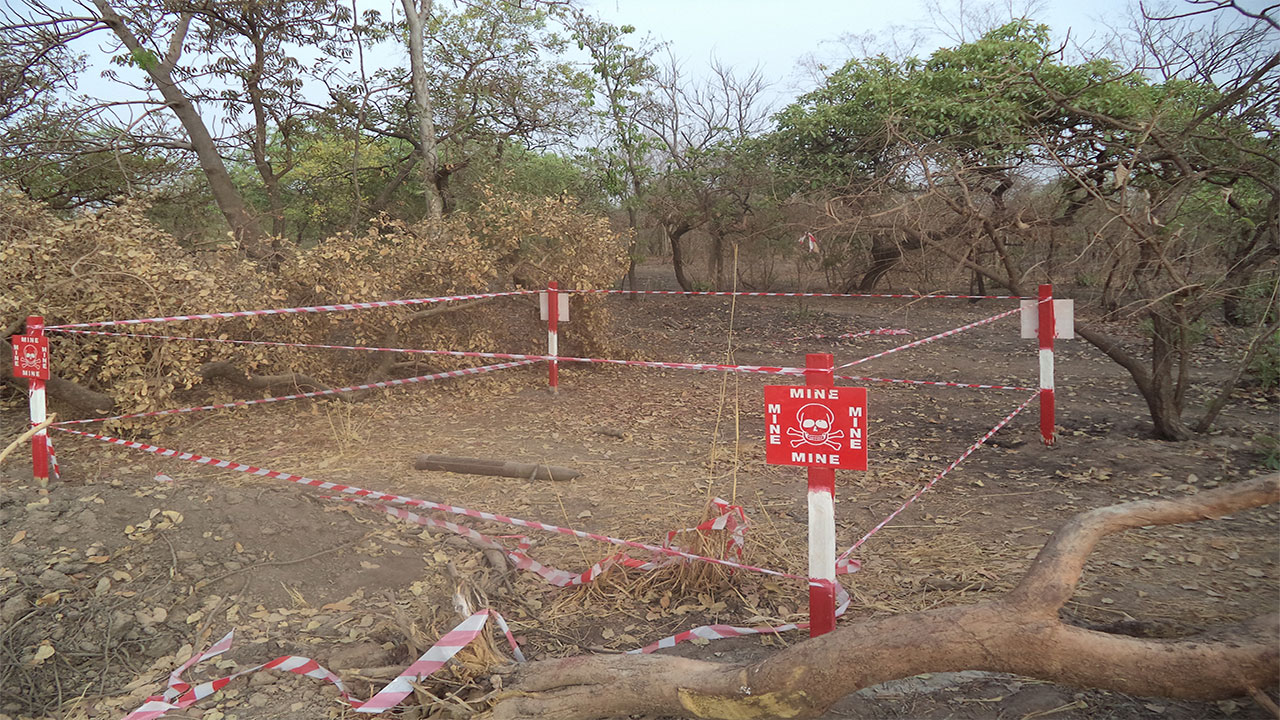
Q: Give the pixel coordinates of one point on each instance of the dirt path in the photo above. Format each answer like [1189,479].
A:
[122,571]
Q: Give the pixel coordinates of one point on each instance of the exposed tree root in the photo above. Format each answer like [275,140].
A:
[1020,633]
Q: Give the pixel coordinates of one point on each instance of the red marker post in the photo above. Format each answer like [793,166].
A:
[553,340]
[31,361]
[822,428]
[1045,334]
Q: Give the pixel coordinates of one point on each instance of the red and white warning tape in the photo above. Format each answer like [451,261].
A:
[729,518]
[931,338]
[968,451]
[317,393]
[732,519]
[809,242]
[518,557]
[431,661]
[851,336]
[294,310]
[770,370]
[451,509]
[53,458]
[943,383]
[740,293]
[511,639]
[181,694]
[719,631]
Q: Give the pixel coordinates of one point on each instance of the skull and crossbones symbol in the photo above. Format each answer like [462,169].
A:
[815,427]
[30,356]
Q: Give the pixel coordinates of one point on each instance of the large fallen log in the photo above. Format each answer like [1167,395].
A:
[1019,633]
[501,468]
[226,370]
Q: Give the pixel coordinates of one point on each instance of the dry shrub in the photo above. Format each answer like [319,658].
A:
[105,265]
[552,239]
[115,264]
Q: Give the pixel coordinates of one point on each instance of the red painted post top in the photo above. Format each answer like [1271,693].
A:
[1047,321]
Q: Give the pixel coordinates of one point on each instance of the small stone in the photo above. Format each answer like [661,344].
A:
[262,679]
[53,579]
[358,655]
[163,645]
[13,608]
[122,622]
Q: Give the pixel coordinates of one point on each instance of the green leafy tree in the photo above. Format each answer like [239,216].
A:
[496,75]
[621,73]
[986,153]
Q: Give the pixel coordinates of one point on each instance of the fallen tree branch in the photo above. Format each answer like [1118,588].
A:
[27,436]
[391,338]
[226,370]
[499,468]
[1019,633]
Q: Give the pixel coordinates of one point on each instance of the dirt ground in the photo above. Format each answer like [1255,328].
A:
[113,576]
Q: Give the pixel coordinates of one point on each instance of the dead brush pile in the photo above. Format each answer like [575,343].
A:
[116,264]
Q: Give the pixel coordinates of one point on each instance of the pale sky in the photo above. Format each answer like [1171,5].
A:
[776,34]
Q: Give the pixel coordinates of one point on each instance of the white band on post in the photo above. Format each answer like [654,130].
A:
[822,535]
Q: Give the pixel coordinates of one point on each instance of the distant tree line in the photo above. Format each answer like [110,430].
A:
[1142,173]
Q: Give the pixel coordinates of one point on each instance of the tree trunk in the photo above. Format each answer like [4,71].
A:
[245,226]
[677,257]
[226,370]
[261,161]
[416,20]
[631,249]
[1262,245]
[1158,392]
[387,193]
[885,254]
[717,261]
[1020,633]
[1163,398]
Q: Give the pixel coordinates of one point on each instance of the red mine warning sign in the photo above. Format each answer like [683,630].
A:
[31,357]
[816,426]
